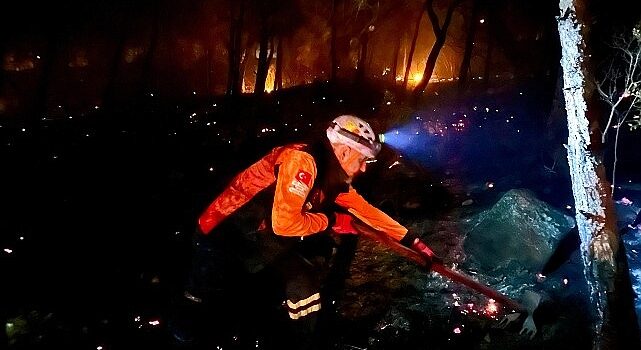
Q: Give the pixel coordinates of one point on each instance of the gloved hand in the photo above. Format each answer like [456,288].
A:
[426,252]
[343,224]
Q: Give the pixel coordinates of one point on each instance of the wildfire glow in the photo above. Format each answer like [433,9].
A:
[270,81]
[412,79]
[415,77]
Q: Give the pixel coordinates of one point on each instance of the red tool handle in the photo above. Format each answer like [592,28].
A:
[436,267]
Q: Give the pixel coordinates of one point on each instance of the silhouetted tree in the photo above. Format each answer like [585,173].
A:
[410,56]
[276,18]
[368,17]
[440,33]
[278,74]
[489,51]
[469,44]
[368,12]
[394,58]
[265,11]
[234,76]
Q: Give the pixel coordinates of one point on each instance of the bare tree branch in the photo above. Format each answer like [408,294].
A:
[620,87]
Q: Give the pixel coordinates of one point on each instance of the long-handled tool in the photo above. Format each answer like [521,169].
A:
[437,266]
[528,327]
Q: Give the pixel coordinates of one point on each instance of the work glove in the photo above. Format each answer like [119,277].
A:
[426,252]
[342,224]
[412,241]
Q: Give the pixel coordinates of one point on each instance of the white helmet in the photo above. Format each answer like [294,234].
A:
[354,132]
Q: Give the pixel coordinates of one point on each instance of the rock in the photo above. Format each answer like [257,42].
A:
[518,232]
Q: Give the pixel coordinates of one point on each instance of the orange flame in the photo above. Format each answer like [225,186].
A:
[270,81]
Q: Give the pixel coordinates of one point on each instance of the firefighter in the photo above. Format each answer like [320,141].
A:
[288,218]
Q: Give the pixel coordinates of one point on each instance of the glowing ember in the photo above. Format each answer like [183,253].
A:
[459,126]
[491,309]
[625,201]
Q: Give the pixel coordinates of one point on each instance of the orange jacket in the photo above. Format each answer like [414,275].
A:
[290,211]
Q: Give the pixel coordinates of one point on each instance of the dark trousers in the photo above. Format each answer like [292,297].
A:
[263,288]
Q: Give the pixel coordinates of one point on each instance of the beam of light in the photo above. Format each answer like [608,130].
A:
[413,139]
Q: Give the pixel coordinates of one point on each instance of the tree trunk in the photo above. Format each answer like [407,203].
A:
[242,66]
[394,65]
[263,63]
[429,66]
[469,46]
[408,64]
[488,61]
[234,78]
[278,74]
[441,34]
[362,56]
[605,268]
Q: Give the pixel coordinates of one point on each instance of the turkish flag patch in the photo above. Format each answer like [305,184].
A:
[304,177]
